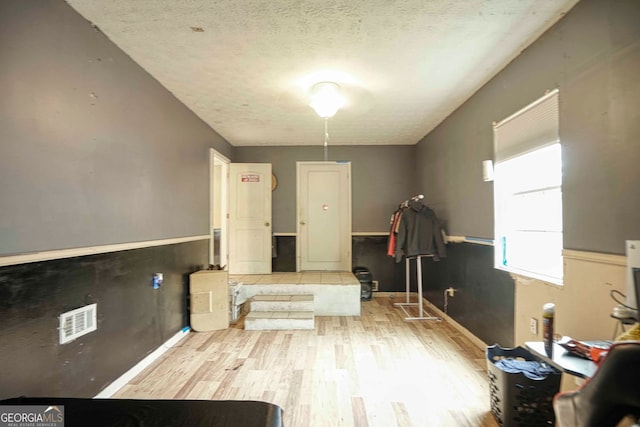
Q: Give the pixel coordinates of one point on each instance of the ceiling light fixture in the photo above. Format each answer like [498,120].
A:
[326,100]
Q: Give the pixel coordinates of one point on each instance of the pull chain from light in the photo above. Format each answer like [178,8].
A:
[326,139]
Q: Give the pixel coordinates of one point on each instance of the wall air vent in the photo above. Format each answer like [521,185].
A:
[78,322]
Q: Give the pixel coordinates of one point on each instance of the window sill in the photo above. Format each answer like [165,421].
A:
[526,277]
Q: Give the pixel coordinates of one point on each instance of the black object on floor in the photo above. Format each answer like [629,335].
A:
[81,412]
[366,282]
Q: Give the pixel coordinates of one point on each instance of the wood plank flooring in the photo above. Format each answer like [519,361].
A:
[375,370]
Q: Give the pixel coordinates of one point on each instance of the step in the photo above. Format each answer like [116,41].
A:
[282,303]
[279,320]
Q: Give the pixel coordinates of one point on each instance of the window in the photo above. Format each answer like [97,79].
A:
[528,192]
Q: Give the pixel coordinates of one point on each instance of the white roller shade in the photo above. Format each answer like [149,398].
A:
[533,127]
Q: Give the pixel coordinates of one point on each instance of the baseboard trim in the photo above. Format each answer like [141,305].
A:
[142,365]
[464,331]
[92,250]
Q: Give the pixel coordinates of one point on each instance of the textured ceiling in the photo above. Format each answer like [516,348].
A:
[245,66]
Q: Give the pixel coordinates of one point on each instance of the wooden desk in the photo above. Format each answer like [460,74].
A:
[563,360]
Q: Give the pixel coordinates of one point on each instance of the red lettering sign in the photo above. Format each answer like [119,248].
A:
[249,178]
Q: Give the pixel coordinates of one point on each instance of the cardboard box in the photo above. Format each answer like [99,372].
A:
[209,296]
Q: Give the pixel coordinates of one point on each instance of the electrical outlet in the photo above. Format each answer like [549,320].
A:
[533,326]
[375,285]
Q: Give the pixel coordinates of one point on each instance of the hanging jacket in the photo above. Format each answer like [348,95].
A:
[391,241]
[419,233]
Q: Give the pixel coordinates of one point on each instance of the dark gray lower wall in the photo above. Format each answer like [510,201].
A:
[133,318]
[484,302]
[285,259]
[371,252]
[367,251]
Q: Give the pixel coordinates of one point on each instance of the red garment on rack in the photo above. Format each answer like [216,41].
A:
[393,232]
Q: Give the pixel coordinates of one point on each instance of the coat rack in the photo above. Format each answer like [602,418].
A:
[423,315]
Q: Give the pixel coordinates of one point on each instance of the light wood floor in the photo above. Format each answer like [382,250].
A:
[372,370]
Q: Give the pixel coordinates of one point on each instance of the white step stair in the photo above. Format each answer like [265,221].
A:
[279,320]
[280,312]
[282,303]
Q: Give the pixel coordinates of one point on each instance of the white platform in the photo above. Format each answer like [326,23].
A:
[336,293]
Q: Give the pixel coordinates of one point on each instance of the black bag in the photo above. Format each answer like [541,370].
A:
[366,282]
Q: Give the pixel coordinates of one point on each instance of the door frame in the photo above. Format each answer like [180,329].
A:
[349,209]
[217,159]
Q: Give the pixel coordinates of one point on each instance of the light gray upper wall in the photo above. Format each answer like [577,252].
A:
[382,177]
[93,150]
[593,56]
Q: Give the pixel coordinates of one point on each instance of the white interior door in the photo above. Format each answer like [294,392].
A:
[324,216]
[250,218]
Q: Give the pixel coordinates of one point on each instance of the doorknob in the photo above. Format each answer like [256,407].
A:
[266,224]
[303,223]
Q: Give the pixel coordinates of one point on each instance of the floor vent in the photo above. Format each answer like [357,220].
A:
[78,322]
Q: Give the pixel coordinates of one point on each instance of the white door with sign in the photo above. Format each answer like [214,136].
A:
[250,218]
[324,216]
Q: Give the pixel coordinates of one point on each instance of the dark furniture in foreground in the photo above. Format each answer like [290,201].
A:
[79,412]
[611,394]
